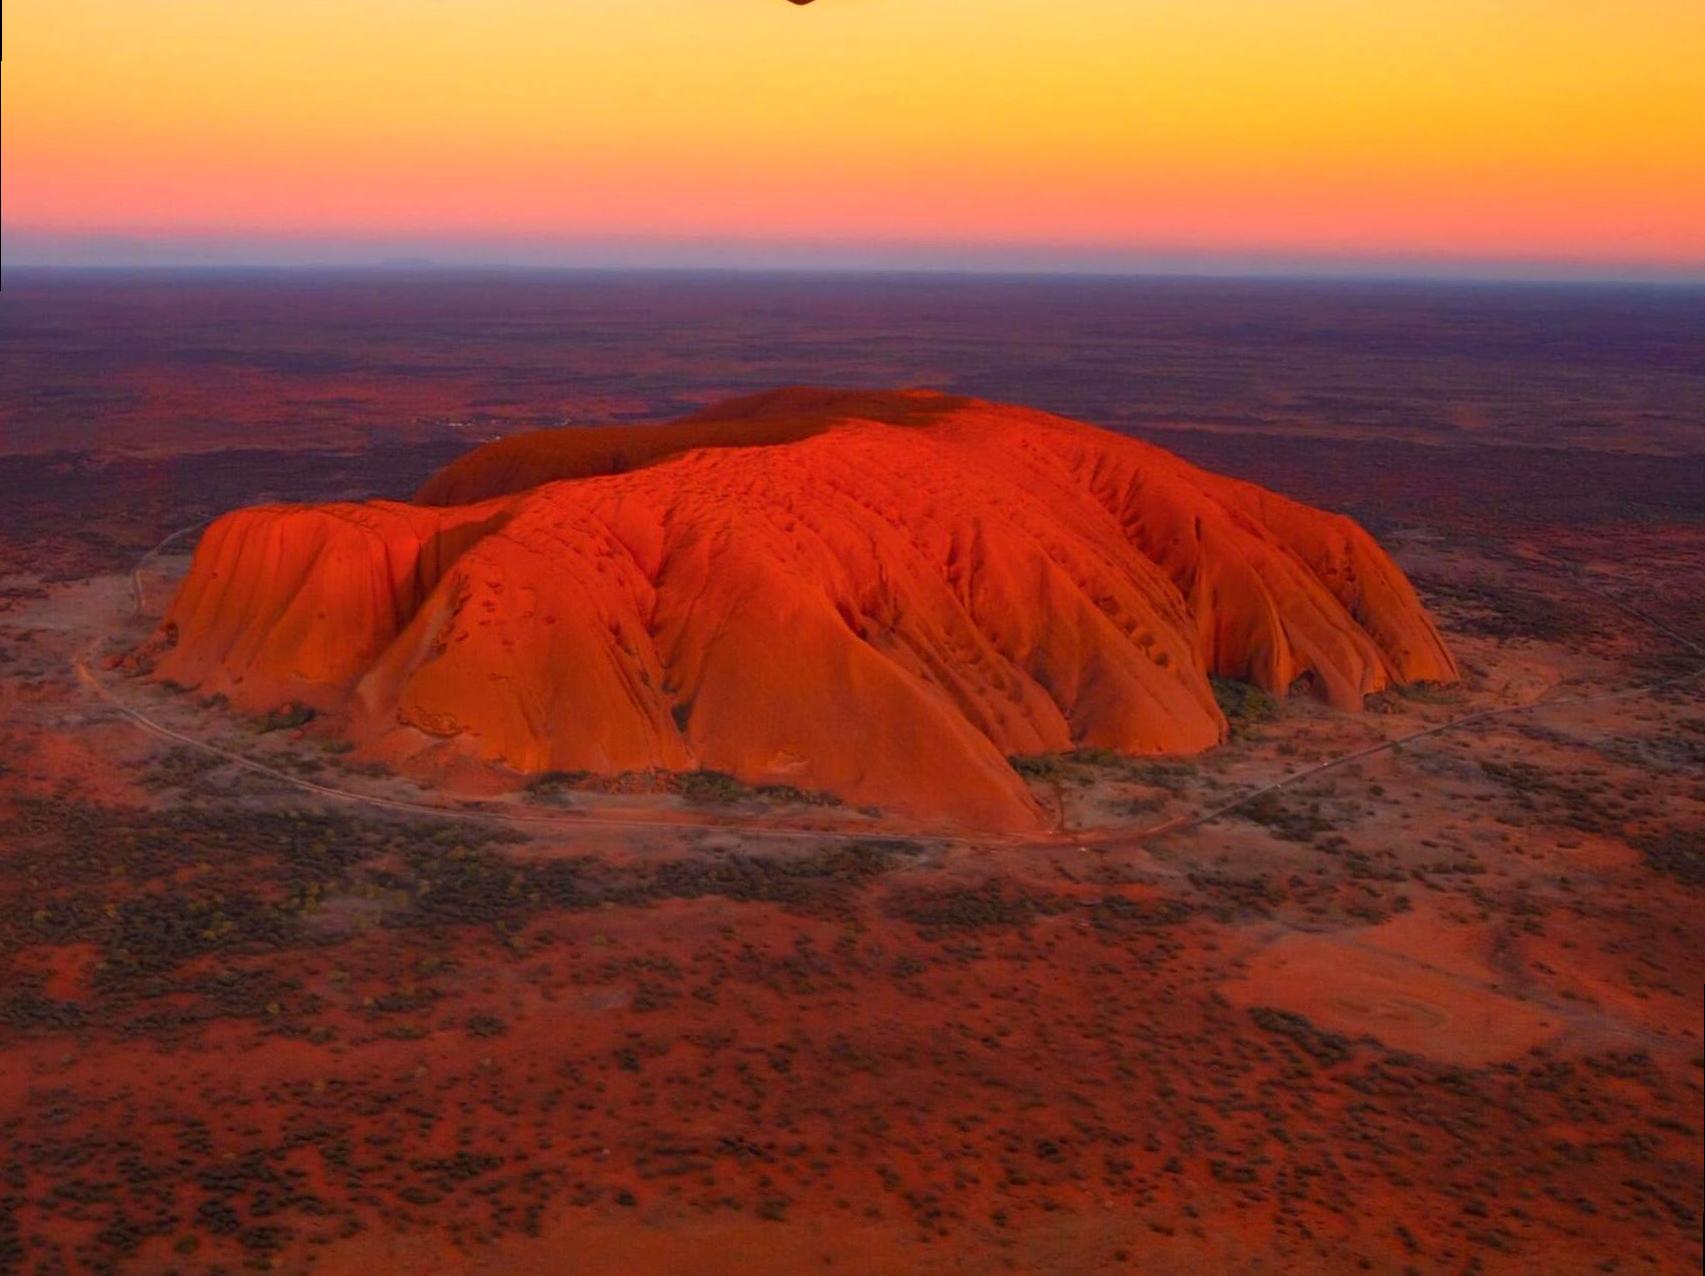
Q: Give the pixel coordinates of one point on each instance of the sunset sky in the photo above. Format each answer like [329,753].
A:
[1518,136]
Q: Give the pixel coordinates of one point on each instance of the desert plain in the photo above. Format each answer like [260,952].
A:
[1409,988]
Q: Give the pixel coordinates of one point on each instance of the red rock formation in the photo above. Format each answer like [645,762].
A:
[880,595]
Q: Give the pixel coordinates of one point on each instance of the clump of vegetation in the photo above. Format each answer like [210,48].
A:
[1040,766]
[1429,692]
[179,767]
[713,788]
[1172,775]
[284,718]
[1245,705]
[1504,610]
[153,934]
[989,905]
[472,886]
[817,880]
[719,788]
[1676,852]
[1323,1047]
[29,1009]
[704,787]
[802,797]
[1117,913]
[1586,804]
[153,890]
[1136,807]
[1284,821]
[1081,766]
[1093,757]
[549,781]
[554,786]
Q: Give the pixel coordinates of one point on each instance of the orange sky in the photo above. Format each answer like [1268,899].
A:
[1564,131]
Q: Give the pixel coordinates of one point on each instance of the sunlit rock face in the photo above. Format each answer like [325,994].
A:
[880,595]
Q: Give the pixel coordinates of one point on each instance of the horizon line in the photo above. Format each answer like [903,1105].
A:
[1489,275]
[37,248]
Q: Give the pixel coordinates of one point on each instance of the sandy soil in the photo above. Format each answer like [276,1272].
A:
[1435,1010]
[1432,1010]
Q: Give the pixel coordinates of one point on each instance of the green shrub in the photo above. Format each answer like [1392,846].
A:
[1245,706]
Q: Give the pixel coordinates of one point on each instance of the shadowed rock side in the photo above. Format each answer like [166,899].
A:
[878,595]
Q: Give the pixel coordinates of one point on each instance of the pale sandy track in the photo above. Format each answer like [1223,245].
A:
[1101,841]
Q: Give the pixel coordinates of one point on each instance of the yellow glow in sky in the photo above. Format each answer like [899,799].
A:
[1569,130]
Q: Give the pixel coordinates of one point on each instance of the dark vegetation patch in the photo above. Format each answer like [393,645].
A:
[1428,692]
[1123,915]
[153,891]
[179,767]
[1075,766]
[1287,818]
[1680,752]
[1084,767]
[701,787]
[1174,775]
[1506,610]
[711,788]
[284,717]
[478,887]
[159,931]
[71,515]
[819,879]
[1245,706]
[718,788]
[1581,799]
[992,904]
[72,843]
[1675,850]
[29,1009]
[1325,1048]
[1232,896]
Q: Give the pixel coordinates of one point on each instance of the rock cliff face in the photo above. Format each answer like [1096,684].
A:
[878,595]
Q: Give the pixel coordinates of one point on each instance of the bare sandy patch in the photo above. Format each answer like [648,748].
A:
[1388,982]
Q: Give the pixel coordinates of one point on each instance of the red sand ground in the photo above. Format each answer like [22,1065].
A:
[243,1029]
[1433,1013]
